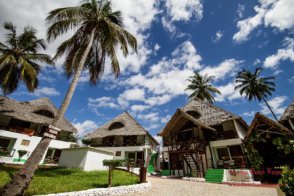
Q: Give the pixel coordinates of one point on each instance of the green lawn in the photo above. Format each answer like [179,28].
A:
[57,180]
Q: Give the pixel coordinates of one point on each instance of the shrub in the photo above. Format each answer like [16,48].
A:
[111,165]
[287,181]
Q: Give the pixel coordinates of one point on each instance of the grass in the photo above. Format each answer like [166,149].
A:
[57,180]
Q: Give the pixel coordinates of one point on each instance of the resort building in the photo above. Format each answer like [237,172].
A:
[22,125]
[201,136]
[287,118]
[126,138]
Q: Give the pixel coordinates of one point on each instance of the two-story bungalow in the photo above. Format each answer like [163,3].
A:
[22,125]
[126,137]
[201,136]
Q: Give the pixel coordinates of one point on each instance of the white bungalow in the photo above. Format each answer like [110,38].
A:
[22,125]
[126,138]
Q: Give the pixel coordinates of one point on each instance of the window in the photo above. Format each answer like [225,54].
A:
[194,114]
[230,134]
[19,123]
[4,143]
[25,142]
[116,125]
[130,140]
[223,153]
[46,113]
[108,141]
[118,153]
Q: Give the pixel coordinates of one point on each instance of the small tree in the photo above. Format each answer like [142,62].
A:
[287,181]
[111,165]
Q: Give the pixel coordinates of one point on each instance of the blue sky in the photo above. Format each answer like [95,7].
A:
[175,38]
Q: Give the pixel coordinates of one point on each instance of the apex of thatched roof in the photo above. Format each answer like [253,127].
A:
[28,111]
[124,124]
[262,120]
[289,112]
[209,113]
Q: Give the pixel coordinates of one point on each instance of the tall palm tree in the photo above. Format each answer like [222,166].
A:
[99,31]
[19,59]
[255,86]
[202,87]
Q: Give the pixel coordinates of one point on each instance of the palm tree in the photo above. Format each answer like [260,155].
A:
[19,59]
[99,31]
[255,86]
[202,87]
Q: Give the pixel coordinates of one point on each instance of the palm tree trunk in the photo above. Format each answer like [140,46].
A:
[269,107]
[21,179]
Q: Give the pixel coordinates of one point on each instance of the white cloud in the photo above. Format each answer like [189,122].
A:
[256,62]
[166,118]
[246,26]
[223,70]
[228,92]
[107,102]
[131,95]
[274,13]
[158,100]
[291,80]
[276,104]
[217,36]
[286,53]
[184,10]
[249,114]
[153,117]
[139,108]
[85,127]
[46,91]
[240,10]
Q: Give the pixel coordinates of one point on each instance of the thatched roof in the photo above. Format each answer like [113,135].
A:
[122,125]
[206,114]
[261,120]
[26,111]
[289,112]
[211,114]
[179,119]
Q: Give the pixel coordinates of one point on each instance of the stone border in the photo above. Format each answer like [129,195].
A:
[109,191]
[194,179]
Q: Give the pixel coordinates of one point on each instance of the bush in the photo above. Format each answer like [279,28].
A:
[287,181]
[112,164]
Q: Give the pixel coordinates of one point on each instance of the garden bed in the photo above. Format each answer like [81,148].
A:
[58,180]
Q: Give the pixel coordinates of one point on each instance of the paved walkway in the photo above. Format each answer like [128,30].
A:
[176,187]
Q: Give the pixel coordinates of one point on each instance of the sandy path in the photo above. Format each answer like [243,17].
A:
[175,187]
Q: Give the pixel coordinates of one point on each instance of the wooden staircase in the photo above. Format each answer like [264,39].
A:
[192,164]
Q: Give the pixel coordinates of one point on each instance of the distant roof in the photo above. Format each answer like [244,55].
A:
[211,114]
[260,120]
[124,124]
[289,112]
[26,111]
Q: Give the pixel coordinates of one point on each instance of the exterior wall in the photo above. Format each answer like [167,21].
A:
[228,125]
[241,131]
[87,159]
[222,143]
[123,150]
[32,145]
[94,160]
[73,158]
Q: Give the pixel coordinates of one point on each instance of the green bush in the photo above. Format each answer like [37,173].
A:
[287,181]
[112,164]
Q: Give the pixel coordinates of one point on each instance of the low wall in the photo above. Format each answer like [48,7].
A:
[109,191]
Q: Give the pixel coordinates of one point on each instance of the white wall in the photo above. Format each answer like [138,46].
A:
[123,150]
[33,143]
[241,131]
[85,158]
[73,158]
[95,159]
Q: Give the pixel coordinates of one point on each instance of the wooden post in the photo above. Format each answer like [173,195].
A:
[109,177]
[143,174]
